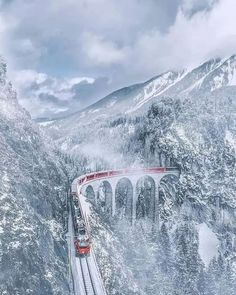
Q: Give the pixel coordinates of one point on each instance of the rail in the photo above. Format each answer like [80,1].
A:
[87,277]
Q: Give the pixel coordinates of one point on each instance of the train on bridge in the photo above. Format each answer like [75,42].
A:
[113,173]
[82,239]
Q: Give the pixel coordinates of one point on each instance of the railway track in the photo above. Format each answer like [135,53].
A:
[87,276]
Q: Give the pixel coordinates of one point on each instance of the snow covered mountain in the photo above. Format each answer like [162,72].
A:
[33,256]
[211,75]
[186,119]
[205,80]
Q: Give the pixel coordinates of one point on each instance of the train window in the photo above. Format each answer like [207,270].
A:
[84,244]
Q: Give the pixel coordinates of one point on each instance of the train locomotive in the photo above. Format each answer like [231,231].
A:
[82,239]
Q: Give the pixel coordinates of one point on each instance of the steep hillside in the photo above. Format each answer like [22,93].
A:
[75,130]
[188,120]
[33,255]
[199,136]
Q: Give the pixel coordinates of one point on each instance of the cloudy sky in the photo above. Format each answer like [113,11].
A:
[63,55]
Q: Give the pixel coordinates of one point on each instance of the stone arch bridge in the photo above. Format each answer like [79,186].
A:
[133,193]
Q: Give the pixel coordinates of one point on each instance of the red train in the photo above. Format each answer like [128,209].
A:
[82,240]
[82,243]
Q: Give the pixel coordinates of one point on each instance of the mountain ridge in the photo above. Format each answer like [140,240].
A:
[208,76]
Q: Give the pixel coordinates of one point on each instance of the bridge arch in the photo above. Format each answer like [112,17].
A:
[145,202]
[90,194]
[124,198]
[104,197]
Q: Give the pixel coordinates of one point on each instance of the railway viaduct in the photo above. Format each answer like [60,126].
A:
[129,193]
[132,193]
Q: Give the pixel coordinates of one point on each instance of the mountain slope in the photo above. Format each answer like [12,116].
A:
[133,101]
[33,257]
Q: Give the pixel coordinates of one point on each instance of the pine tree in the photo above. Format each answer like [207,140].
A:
[211,277]
[166,260]
[188,263]
[229,280]
[202,282]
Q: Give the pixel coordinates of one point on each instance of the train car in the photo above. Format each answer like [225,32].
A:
[82,240]
[74,188]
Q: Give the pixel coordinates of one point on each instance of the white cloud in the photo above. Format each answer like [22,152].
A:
[25,78]
[102,52]
[43,95]
[64,26]
[189,41]
[191,6]
[77,80]
[127,41]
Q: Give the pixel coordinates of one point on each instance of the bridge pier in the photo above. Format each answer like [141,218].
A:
[113,183]
[134,181]
[156,205]
[134,201]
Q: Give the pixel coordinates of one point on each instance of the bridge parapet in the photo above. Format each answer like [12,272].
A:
[84,179]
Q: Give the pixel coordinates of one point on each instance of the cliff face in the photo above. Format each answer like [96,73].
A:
[32,191]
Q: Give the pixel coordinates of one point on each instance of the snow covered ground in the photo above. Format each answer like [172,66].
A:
[208,243]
